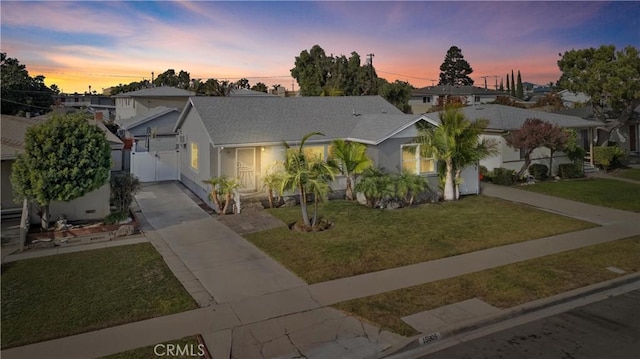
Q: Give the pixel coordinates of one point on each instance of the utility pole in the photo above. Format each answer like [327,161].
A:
[485,81]
[370,63]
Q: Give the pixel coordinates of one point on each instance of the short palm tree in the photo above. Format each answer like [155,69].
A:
[304,175]
[350,159]
[409,185]
[456,143]
[222,186]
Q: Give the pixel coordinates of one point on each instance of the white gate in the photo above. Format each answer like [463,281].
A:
[156,166]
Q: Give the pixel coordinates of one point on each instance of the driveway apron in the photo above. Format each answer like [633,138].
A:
[227,265]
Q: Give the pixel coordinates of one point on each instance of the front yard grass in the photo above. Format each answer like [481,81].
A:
[628,173]
[600,192]
[365,240]
[502,287]
[61,295]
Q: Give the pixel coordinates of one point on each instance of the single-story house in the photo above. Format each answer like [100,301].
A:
[243,137]
[94,205]
[503,119]
[152,130]
[423,99]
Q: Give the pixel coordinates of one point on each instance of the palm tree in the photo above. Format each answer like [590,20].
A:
[409,185]
[350,159]
[222,186]
[375,185]
[305,175]
[456,143]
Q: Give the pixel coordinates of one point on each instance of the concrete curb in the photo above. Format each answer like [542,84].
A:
[413,344]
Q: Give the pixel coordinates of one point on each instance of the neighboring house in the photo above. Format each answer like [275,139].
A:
[136,103]
[503,119]
[94,205]
[423,99]
[97,104]
[573,99]
[243,137]
[152,130]
[627,137]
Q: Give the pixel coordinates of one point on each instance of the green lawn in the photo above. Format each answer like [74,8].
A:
[56,296]
[629,173]
[600,192]
[503,287]
[164,350]
[366,240]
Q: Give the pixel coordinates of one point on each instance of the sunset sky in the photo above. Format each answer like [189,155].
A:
[105,43]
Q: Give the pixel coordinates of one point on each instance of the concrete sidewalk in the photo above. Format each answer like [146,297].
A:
[262,310]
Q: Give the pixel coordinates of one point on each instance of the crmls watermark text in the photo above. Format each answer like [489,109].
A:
[186,350]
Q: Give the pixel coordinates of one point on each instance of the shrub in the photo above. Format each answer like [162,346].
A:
[375,184]
[116,217]
[608,157]
[570,170]
[539,171]
[484,173]
[503,176]
[123,187]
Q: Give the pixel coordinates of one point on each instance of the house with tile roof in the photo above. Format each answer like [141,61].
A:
[243,137]
[94,205]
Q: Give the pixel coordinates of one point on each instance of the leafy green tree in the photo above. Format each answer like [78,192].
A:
[304,174]
[260,87]
[243,83]
[319,74]
[22,93]
[350,159]
[65,158]
[455,70]
[519,88]
[397,93]
[611,78]
[456,143]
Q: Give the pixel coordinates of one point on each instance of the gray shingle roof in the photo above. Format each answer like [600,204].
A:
[136,121]
[13,130]
[505,118]
[251,120]
[163,91]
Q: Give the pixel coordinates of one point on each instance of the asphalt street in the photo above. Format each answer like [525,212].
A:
[606,329]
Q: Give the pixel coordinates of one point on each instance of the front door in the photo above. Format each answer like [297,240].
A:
[246,168]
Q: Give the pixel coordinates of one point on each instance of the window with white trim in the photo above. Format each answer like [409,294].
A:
[412,162]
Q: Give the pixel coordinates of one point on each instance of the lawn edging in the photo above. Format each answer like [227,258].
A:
[412,344]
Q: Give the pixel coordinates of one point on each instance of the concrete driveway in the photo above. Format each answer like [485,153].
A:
[228,266]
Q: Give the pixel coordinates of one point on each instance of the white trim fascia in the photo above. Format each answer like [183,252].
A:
[404,127]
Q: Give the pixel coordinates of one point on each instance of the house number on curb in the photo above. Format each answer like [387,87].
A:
[429,338]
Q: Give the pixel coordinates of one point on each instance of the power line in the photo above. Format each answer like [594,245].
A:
[413,77]
[25,104]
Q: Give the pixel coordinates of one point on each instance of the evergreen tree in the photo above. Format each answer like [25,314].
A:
[513,85]
[501,88]
[519,88]
[455,70]
[508,88]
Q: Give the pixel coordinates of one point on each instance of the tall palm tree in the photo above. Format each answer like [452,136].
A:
[303,174]
[350,159]
[456,143]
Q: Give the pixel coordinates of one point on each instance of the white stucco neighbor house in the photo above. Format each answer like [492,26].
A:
[136,103]
[503,119]
[243,136]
